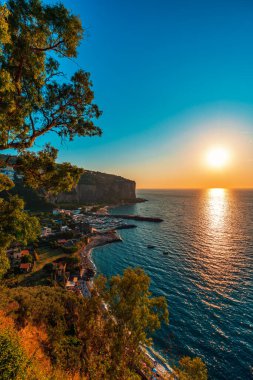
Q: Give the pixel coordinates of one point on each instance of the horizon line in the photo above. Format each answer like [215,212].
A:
[194,188]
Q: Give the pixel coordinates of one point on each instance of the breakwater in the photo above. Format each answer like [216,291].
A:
[129,217]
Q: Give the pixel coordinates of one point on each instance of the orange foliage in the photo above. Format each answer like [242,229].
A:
[34,340]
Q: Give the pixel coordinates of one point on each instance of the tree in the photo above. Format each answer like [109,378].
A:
[4,262]
[12,357]
[191,369]
[83,334]
[15,225]
[33,102]
[136,315]
[36,98]
[131,303]
[42,173]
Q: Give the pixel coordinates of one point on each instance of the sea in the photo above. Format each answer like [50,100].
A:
[202,263]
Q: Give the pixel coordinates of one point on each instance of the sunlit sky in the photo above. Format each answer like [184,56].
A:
[175,81]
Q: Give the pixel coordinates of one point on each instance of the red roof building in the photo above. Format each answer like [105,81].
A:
[61,241]
[25,267]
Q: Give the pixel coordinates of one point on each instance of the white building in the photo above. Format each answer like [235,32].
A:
[65,228]
[46,231]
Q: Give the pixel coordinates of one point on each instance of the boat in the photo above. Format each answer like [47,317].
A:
[150,246]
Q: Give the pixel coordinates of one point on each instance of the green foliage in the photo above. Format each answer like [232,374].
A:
[4,27]
[42,173]
[191,369]
[67,353]
[4,262]
[12,357]
[32,101]
[83,336]
[134,308]
[15,225]
[5,183]
[137,315]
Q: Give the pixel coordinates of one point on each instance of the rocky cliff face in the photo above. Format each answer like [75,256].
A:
[96,187]
[93,187]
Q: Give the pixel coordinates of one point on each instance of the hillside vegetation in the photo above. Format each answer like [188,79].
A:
[80,337]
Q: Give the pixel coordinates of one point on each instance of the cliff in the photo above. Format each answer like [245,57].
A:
[96,187]
[93,187]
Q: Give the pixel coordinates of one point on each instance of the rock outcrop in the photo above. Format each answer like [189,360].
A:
[96,187]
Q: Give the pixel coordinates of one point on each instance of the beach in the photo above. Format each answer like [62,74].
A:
[99,239]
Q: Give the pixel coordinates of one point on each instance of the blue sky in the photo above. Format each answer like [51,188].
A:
[158,68]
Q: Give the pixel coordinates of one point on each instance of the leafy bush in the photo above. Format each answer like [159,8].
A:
[12,357]
[191,369]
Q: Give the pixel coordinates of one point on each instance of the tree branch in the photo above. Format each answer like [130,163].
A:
[28,142]
[32,123]
[19,74]
[48,47]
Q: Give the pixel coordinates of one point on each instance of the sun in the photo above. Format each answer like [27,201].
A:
[217,157]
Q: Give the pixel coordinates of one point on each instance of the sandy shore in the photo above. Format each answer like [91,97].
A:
[96,241]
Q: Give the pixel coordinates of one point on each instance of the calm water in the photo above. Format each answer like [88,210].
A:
[206,277]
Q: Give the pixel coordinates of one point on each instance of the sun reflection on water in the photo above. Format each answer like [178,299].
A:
[217,204]
[217,233]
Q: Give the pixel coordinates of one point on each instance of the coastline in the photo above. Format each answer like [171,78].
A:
[153,357]
[97,240]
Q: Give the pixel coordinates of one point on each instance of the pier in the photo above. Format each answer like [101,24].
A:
[129,217]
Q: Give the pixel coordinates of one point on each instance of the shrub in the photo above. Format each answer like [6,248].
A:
[12,357]
[191,369]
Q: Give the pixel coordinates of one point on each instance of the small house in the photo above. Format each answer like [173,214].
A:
[25,267]
[62,241]
[70,284]
[46,231]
